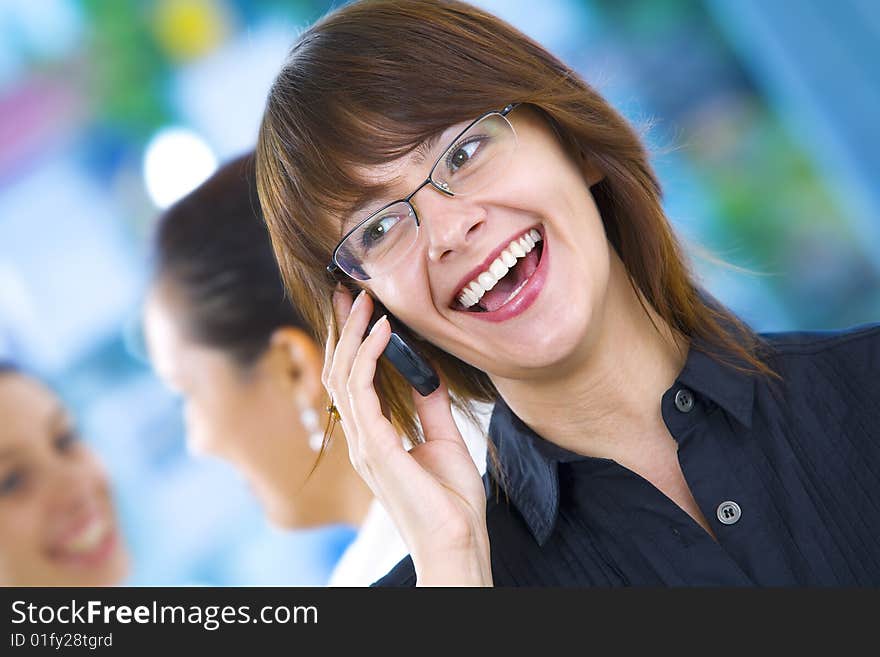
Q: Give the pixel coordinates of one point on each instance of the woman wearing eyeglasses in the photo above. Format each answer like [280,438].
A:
[452,168]
[58,524]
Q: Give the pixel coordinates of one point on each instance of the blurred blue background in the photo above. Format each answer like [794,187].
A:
[761,115]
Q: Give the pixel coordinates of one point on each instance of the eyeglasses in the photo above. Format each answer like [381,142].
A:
[476,156]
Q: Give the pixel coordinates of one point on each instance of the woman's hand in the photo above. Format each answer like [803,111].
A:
[433,492]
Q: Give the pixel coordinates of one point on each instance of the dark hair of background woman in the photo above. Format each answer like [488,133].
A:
[213,249]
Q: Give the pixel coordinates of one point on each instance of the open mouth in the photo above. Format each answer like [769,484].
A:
[89,544]
[505,277]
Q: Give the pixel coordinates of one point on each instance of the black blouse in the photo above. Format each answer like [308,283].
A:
[788,476]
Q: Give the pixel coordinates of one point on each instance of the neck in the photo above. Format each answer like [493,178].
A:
[335,493]
[605,398]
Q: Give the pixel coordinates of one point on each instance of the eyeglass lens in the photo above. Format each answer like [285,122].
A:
[472,161]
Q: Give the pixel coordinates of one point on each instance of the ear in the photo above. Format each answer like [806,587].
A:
[299,362]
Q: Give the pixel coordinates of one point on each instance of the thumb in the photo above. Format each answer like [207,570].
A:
[435,415]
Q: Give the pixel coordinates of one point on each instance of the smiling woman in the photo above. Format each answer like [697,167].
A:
[352,146]
[642,433]
[58,526]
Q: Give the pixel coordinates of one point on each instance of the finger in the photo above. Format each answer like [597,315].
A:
[355,322]
[329,349]
[435,415]
[350,339]
[342,302]
[332,330]
[366,408]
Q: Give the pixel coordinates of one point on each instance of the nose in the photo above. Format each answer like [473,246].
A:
[75,487]
[450,223]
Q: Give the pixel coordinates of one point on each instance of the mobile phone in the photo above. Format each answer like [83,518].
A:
[403,354]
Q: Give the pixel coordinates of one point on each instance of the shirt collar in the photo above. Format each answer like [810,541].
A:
[706,374]
[530,463]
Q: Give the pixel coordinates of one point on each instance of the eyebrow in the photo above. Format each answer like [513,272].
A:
[367,203]
[361,208]
[423,150]
[57,417]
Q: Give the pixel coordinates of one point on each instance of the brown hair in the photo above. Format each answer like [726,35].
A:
[371,81]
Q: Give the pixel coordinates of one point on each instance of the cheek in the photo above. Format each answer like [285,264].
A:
[207,426]
[406,289]
[233,423]
[268,422]
[24,525]
[407,293]
[94,472]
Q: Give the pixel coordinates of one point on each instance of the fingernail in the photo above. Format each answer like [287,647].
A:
[383,318]
[358,300]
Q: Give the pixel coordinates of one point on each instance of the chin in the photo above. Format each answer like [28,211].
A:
[116,573]
[563,338]
[559,335]
[112,573]
[550,343]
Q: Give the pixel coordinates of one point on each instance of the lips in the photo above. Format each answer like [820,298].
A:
[526,293]
[88,543]
[501,267]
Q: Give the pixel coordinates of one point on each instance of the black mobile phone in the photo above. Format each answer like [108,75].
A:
[403,354]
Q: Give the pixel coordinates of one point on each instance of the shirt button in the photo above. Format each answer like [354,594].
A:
[729,512]
[684,400]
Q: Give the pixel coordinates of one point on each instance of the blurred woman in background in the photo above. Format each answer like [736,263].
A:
[58,526]
[221,333]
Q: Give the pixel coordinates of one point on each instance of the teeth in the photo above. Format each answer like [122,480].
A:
[88,539]
[518,248]
[498,269]
[476,289]
[467,298]
[487,280]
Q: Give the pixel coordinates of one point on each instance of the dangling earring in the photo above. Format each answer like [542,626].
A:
[309,419]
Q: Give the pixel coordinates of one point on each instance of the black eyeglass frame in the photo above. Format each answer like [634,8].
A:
[335,268]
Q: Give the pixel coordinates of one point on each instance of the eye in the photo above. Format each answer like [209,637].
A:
[12,482]
[66,441]
[376,230]
[462,154]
